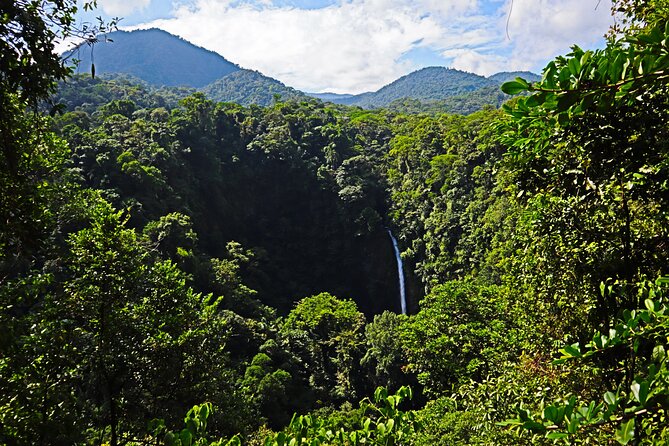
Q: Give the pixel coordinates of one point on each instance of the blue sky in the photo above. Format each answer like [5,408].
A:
[351,46]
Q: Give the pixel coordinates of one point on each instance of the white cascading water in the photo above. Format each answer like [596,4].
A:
[400,272]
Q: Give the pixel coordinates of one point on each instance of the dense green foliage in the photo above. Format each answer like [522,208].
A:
[462,104]
[83,93]
[247,175]
[163,254]
[248,87]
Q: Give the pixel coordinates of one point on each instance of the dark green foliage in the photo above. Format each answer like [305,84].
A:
[461,104]
[85,94]
[249,175]
[444,192]
[385,352]
[636,407]
[381,422]
[583,158]
[155,56]
[193,434]
[336,327]
[461,333]
[142,269]
[248,87]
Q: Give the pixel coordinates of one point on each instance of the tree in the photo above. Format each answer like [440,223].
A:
[384,350]
[589,148]
[336,329]
[459,334]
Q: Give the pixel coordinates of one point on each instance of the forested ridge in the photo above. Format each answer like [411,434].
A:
[159,60]
[184,272]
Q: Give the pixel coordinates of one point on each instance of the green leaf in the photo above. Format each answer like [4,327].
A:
[534,426]
[204,411]
[186,437]
[551,413]
[170,439]
[523,414]
[625,433]
[572,351]
[640,391]
[556,435]
[514,87]
[662,280]
[658,353]
[574,66]
[536,99]
[566,100]
[610,398]
[650,305]
[381,393]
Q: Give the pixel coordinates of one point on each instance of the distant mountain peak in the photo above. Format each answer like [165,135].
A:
[505,76]
[155,56]
[425,84]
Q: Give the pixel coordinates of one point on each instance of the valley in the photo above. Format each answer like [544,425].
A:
[193,253]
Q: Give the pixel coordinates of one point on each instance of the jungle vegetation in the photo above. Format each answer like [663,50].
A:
[179,271]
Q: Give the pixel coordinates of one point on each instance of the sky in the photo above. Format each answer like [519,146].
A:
[353,46]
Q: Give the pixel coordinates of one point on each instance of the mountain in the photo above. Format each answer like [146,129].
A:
[154,56]
[427,84]
[159,58]
[162,59]
[435,90]
[250,87]
[331,97]
[464,104]
[505,76]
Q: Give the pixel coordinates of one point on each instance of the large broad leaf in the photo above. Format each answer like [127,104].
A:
[551,413]
[640,391]
[625,433]
[515,86]
[557,435]
[610,398]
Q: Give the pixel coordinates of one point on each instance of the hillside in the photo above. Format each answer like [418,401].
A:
[332,97]
[159,59]
[505,76]
[249,87]
[435,89]
[432,83]
[462,104]
[154,56]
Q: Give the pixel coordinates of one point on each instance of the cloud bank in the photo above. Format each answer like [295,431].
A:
[351,46]
[118,8]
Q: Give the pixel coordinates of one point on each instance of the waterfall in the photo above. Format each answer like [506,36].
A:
[400,272]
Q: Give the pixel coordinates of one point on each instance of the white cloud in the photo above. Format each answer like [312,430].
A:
[358,45]
[118,8]
[351,46]
[476,62]
[539,30]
